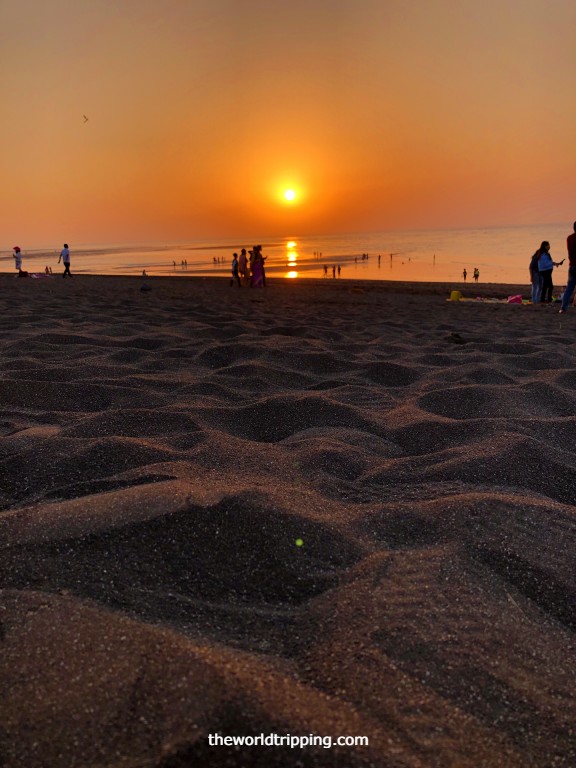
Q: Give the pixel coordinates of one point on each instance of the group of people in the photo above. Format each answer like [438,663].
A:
[541,268]
[248,268]
[64,258]
[475,274]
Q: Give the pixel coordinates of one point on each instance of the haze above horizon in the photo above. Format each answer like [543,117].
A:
[175,121]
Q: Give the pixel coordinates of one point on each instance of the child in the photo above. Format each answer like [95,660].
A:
[235,275]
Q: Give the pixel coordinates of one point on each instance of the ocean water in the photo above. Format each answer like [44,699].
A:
[501,255]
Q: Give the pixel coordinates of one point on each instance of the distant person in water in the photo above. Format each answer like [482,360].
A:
[545,267]
[476,274]
[65,258]
[325,270]
[17,258]
[464,274]
[569,292]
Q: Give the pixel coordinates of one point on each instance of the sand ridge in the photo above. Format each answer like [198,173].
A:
[162,452]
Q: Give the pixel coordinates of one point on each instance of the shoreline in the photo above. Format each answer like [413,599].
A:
[468,290]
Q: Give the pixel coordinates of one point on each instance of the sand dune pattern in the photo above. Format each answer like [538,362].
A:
[161,453]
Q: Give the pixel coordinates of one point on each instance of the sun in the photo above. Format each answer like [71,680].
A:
[289,195]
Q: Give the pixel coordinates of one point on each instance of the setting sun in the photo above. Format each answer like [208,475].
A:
[290,195]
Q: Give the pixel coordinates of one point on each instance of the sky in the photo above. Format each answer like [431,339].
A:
[378,114]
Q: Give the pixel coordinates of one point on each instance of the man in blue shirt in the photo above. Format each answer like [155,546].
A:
[65,257]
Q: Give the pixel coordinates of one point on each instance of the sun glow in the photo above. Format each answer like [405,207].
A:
[292,254]
[290,195]
[292,274]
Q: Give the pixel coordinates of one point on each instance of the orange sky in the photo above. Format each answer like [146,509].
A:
[381,114]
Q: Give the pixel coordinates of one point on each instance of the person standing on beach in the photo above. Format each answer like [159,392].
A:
[464,274]
[257,270]
[65,258]
[17,258]
[568,293]
[545,267]
[235,275]
[535,278]
[242,263]
[258,250]
[476,274]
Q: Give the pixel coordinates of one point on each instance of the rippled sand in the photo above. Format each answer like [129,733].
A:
[160,454]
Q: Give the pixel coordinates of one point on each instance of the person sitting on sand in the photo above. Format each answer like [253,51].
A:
[545,267]
[568,293]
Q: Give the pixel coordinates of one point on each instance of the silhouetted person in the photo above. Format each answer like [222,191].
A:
[65,258]
[535,278]
[568,293]
[242,264]
[476,274]
[262,259]
[464,274]
[545,267]
[17,258]
[257,270]
[235,275]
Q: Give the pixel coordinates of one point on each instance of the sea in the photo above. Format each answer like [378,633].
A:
[501,255]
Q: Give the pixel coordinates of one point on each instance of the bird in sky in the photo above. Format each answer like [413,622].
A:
[85,118]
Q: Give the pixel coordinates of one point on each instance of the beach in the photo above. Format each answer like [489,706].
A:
[328,507]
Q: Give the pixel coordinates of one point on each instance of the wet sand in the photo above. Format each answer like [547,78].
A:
[327,507]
